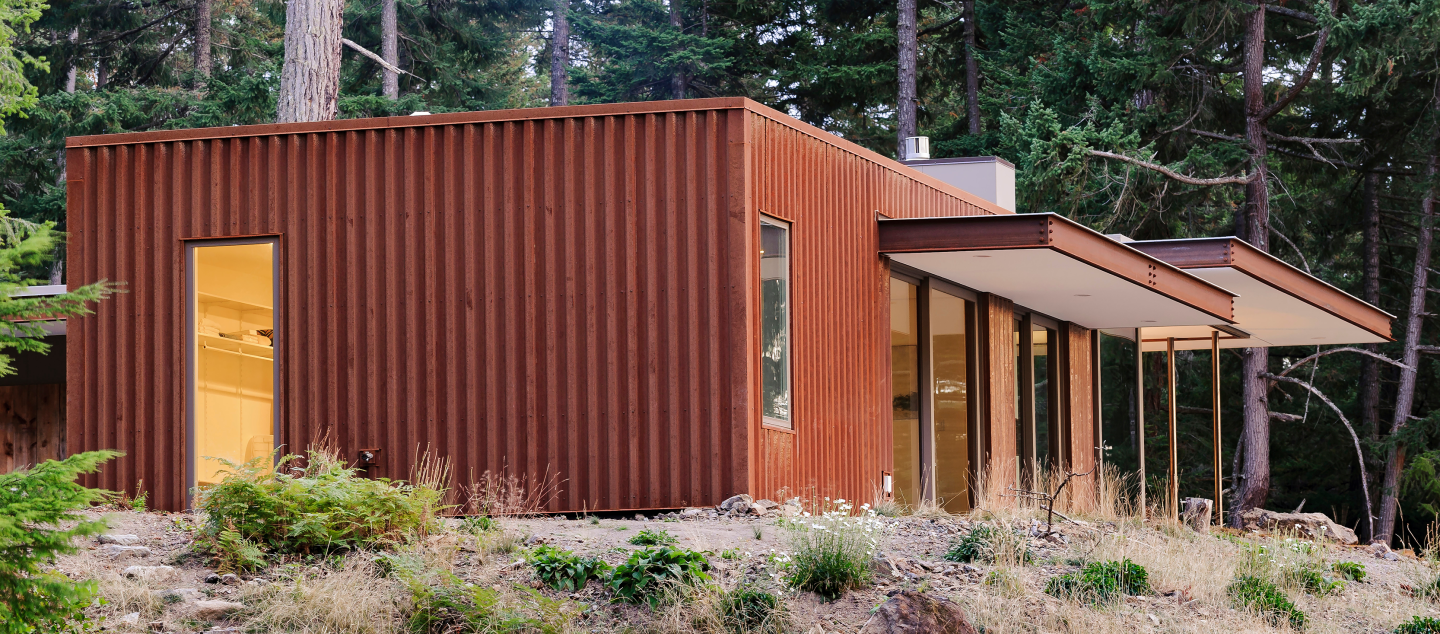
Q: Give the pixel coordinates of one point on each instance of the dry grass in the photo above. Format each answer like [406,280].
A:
[505,494]
[353,600]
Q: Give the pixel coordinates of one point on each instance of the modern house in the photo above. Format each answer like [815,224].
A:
[656,304]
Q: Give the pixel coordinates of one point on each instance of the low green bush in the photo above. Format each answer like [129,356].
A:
[988,544]
[1419,625]
[447,605]
[1254,593]
[479,524]
[1101,582]
[647,537]
[647,574]
[40,519]
[751,610]
[564,570]
[1350,570]
[1312,577]
[324,507]
[831,553]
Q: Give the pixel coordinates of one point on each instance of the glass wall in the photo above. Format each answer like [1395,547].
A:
[905,382]
[950,365]
[1040,340]
[234,363]
[775,321]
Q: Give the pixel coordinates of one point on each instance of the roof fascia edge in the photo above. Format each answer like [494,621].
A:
[409,121]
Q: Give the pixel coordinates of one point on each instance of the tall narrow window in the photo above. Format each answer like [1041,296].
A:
[905,383]
[775,321]
[233,364]
[1041,339]
[949,369]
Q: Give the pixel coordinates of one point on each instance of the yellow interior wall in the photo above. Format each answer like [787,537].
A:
[234,381]
[905,382]
[952,417]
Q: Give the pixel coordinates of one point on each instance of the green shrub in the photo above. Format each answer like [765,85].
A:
[831,553]
[324,507]
[1350,570]
[647,537]
[479,524]
[988,545]
[1262,596]
[1101,582]
[1419,625]
[231,552]
[1312,577]
[747,610]
[649,572]
[37,508]
[564,570]
[447,605]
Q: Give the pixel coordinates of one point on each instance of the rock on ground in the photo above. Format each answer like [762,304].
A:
[146,571]
[1308,524]
[123,540]
[213,610]
[910,612]
[115,551]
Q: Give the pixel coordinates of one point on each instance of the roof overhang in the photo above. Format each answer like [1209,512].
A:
[1278,305]
[1057,267]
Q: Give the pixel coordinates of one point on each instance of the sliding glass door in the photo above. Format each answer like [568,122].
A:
[232,340]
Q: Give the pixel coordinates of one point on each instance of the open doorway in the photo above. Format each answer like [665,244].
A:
[232,300]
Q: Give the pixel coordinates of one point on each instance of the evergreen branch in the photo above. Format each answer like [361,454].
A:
[1360,455]
[138,28]
[1306,75]
[378,60]
[1189,180]
[940,27]
[1291,13]
[1331,351]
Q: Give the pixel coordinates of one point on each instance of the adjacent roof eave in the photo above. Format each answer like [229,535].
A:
[1199,253]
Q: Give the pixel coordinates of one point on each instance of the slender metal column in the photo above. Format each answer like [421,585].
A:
[1140,414]
[1215,420]
[1174,487]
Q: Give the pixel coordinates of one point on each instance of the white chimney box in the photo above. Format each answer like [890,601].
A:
[989,177]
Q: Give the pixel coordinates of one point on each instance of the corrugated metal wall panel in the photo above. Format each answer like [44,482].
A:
[997,383]
[546,295]
[1080,412]
[831,191]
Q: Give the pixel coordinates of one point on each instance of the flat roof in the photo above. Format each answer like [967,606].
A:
[1057,267]
[1278,304]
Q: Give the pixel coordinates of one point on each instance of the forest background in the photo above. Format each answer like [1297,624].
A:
[1310,128]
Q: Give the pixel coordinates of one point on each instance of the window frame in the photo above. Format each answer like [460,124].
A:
[192,339]
[787,424]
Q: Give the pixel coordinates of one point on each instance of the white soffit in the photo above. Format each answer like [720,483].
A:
[1058,285]
[1271,316]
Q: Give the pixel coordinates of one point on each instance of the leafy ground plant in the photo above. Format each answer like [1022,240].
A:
[647,537]
[989,544]
[1254,593]
[647,574]
[479,524]
[324,507]
[39,519]
[1351,570]
[1102,582]
[1419,625]
[564,570]
[831,552]
[747,610]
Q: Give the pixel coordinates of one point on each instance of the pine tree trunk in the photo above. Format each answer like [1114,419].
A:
[972,69]
[677,81]
[1370,292]
[389,50]
[71,72]
[310,79]
[905,104]
[560,55]
[1414,318]
[202,37]
[1254,227]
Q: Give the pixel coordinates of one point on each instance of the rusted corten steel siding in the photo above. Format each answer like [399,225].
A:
[831,191]
[545,294]
[996,345]
[1079,412]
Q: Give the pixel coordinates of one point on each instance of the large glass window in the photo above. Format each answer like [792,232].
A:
[950,365]
[1040,340]
[233,371]
[905,385]
[775,321]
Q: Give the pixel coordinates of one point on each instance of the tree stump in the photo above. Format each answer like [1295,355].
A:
[1197,513]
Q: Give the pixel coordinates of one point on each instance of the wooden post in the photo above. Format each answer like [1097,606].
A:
[1174,484]
[1140,414]
[1215,421]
